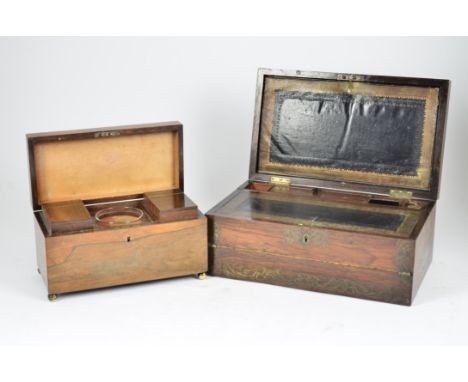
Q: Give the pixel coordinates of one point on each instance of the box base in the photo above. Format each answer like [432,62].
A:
[286,251]
[101,259]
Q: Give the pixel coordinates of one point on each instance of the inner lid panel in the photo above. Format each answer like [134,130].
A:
[348,131]
[86,169]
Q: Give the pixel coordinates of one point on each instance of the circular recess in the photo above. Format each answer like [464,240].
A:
[118,216]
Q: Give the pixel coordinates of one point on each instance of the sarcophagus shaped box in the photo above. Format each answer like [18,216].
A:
[344,178]
[110,209]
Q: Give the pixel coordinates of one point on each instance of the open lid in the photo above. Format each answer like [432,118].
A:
[105,163]
[369,134]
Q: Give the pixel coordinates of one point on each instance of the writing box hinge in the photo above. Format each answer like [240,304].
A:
[280,181]
[405,198]
[401,195]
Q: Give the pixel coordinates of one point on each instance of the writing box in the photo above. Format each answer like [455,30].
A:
[342,189]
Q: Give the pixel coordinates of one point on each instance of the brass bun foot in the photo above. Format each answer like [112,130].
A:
[201,276]
[52,297]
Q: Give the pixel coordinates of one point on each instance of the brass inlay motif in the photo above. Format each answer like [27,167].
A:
[320,283]
[102,134]
[255,273]
[215,233]
[404,256]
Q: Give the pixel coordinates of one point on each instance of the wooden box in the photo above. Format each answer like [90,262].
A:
[110,209]
[342,190]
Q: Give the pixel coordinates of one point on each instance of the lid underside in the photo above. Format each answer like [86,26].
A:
[347,131]
[98,166]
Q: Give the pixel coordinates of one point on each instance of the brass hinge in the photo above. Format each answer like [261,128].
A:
[401,195]
[405,197]
[280,181]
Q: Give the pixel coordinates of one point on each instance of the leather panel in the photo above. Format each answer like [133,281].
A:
[347,131]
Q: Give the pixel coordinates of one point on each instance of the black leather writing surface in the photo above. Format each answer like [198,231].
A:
[324,214]
[345,131]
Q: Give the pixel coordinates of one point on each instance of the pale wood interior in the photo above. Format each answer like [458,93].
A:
[106,167]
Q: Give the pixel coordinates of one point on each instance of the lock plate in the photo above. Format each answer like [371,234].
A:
[305,237]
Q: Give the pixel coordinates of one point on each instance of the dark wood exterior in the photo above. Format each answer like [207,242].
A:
[91,260]
[381,265]
[75,253]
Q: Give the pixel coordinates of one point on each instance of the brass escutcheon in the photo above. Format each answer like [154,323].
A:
[305,236]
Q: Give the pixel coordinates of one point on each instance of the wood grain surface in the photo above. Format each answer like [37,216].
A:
[358,264]
[311,275]
[128,255]
[292,242]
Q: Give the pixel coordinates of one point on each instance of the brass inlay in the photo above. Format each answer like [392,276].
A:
[101,134]
[404,256]
[317,281]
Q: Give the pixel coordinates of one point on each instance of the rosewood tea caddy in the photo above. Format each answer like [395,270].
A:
[110,209]
[342,189]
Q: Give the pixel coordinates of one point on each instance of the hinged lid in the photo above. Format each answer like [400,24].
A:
[369,134]
[105,163]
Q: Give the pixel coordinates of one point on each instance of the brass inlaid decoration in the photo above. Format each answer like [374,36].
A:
[419,180]
[404,256]
[314,281]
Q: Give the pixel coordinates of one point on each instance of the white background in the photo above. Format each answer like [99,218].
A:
[208,84]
